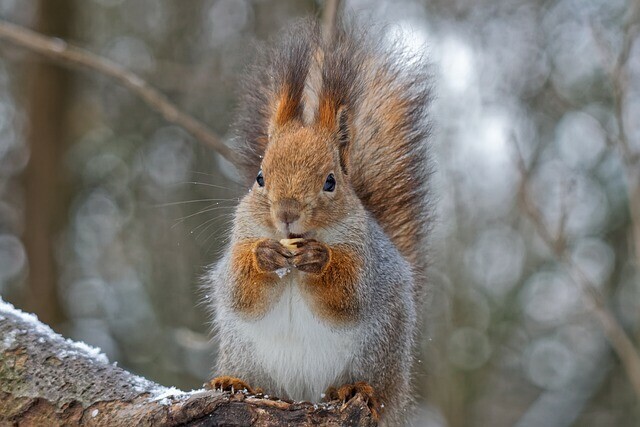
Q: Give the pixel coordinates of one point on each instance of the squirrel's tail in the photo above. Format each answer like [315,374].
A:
[385,92]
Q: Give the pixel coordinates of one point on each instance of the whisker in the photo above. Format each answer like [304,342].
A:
[216,177]
[225,237]
[210,221]
[162,205]
[203,173]
[205,184]
[209,209]
[209,226]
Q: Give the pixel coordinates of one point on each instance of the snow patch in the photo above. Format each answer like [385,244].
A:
[94,352]
[165,402]
[160,394]
[142,385]
[77,348]
[167,395]
[7,308]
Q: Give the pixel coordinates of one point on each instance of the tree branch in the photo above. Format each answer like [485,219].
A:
[71,56]
[329,18]
[615,333]
[619,79]
[630,159]
[47,380]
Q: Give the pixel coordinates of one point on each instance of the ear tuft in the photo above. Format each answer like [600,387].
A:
[287,108]
[343,126]
[288,78]
[343,137]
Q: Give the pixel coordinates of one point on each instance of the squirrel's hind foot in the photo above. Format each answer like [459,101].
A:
[349,391]
[232,384]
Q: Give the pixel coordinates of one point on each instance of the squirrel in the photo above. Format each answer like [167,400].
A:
[317,295]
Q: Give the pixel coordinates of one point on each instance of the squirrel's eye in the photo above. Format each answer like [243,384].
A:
[260,179]
[330,183]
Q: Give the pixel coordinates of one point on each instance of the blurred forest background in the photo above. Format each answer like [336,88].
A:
[109,215]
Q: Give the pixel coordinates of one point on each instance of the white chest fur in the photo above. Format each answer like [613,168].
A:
[301,352]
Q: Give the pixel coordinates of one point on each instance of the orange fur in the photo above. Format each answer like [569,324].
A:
[288,107]
[295,165]
[227,383]
[254,289]
[327,112]
[333,291]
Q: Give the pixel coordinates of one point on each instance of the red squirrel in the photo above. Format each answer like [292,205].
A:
[317,295]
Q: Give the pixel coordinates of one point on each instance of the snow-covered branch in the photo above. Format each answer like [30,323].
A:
[46,379]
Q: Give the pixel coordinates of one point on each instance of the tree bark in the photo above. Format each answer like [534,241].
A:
[48,380]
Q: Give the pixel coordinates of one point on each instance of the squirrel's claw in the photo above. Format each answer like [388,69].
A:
[232,384]
[349,391]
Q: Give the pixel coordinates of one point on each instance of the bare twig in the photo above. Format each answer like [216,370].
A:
[619,81]
[329,18]
[71,56]
[615,333]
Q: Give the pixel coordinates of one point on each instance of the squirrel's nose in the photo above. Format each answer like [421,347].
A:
[288,211]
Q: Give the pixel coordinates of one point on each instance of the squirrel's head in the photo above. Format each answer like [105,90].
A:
[303,177]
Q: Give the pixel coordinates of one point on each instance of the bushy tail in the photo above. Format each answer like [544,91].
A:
[386,93]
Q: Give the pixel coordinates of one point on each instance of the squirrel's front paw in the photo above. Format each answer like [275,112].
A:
[231,384]
[311,256]
[349,391]
[271,255]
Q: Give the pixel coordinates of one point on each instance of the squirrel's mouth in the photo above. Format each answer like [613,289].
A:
[310,234]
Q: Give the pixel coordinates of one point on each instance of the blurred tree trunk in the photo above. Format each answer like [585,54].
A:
[48,97]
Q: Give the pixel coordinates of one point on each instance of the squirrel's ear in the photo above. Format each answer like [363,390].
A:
[343,137]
